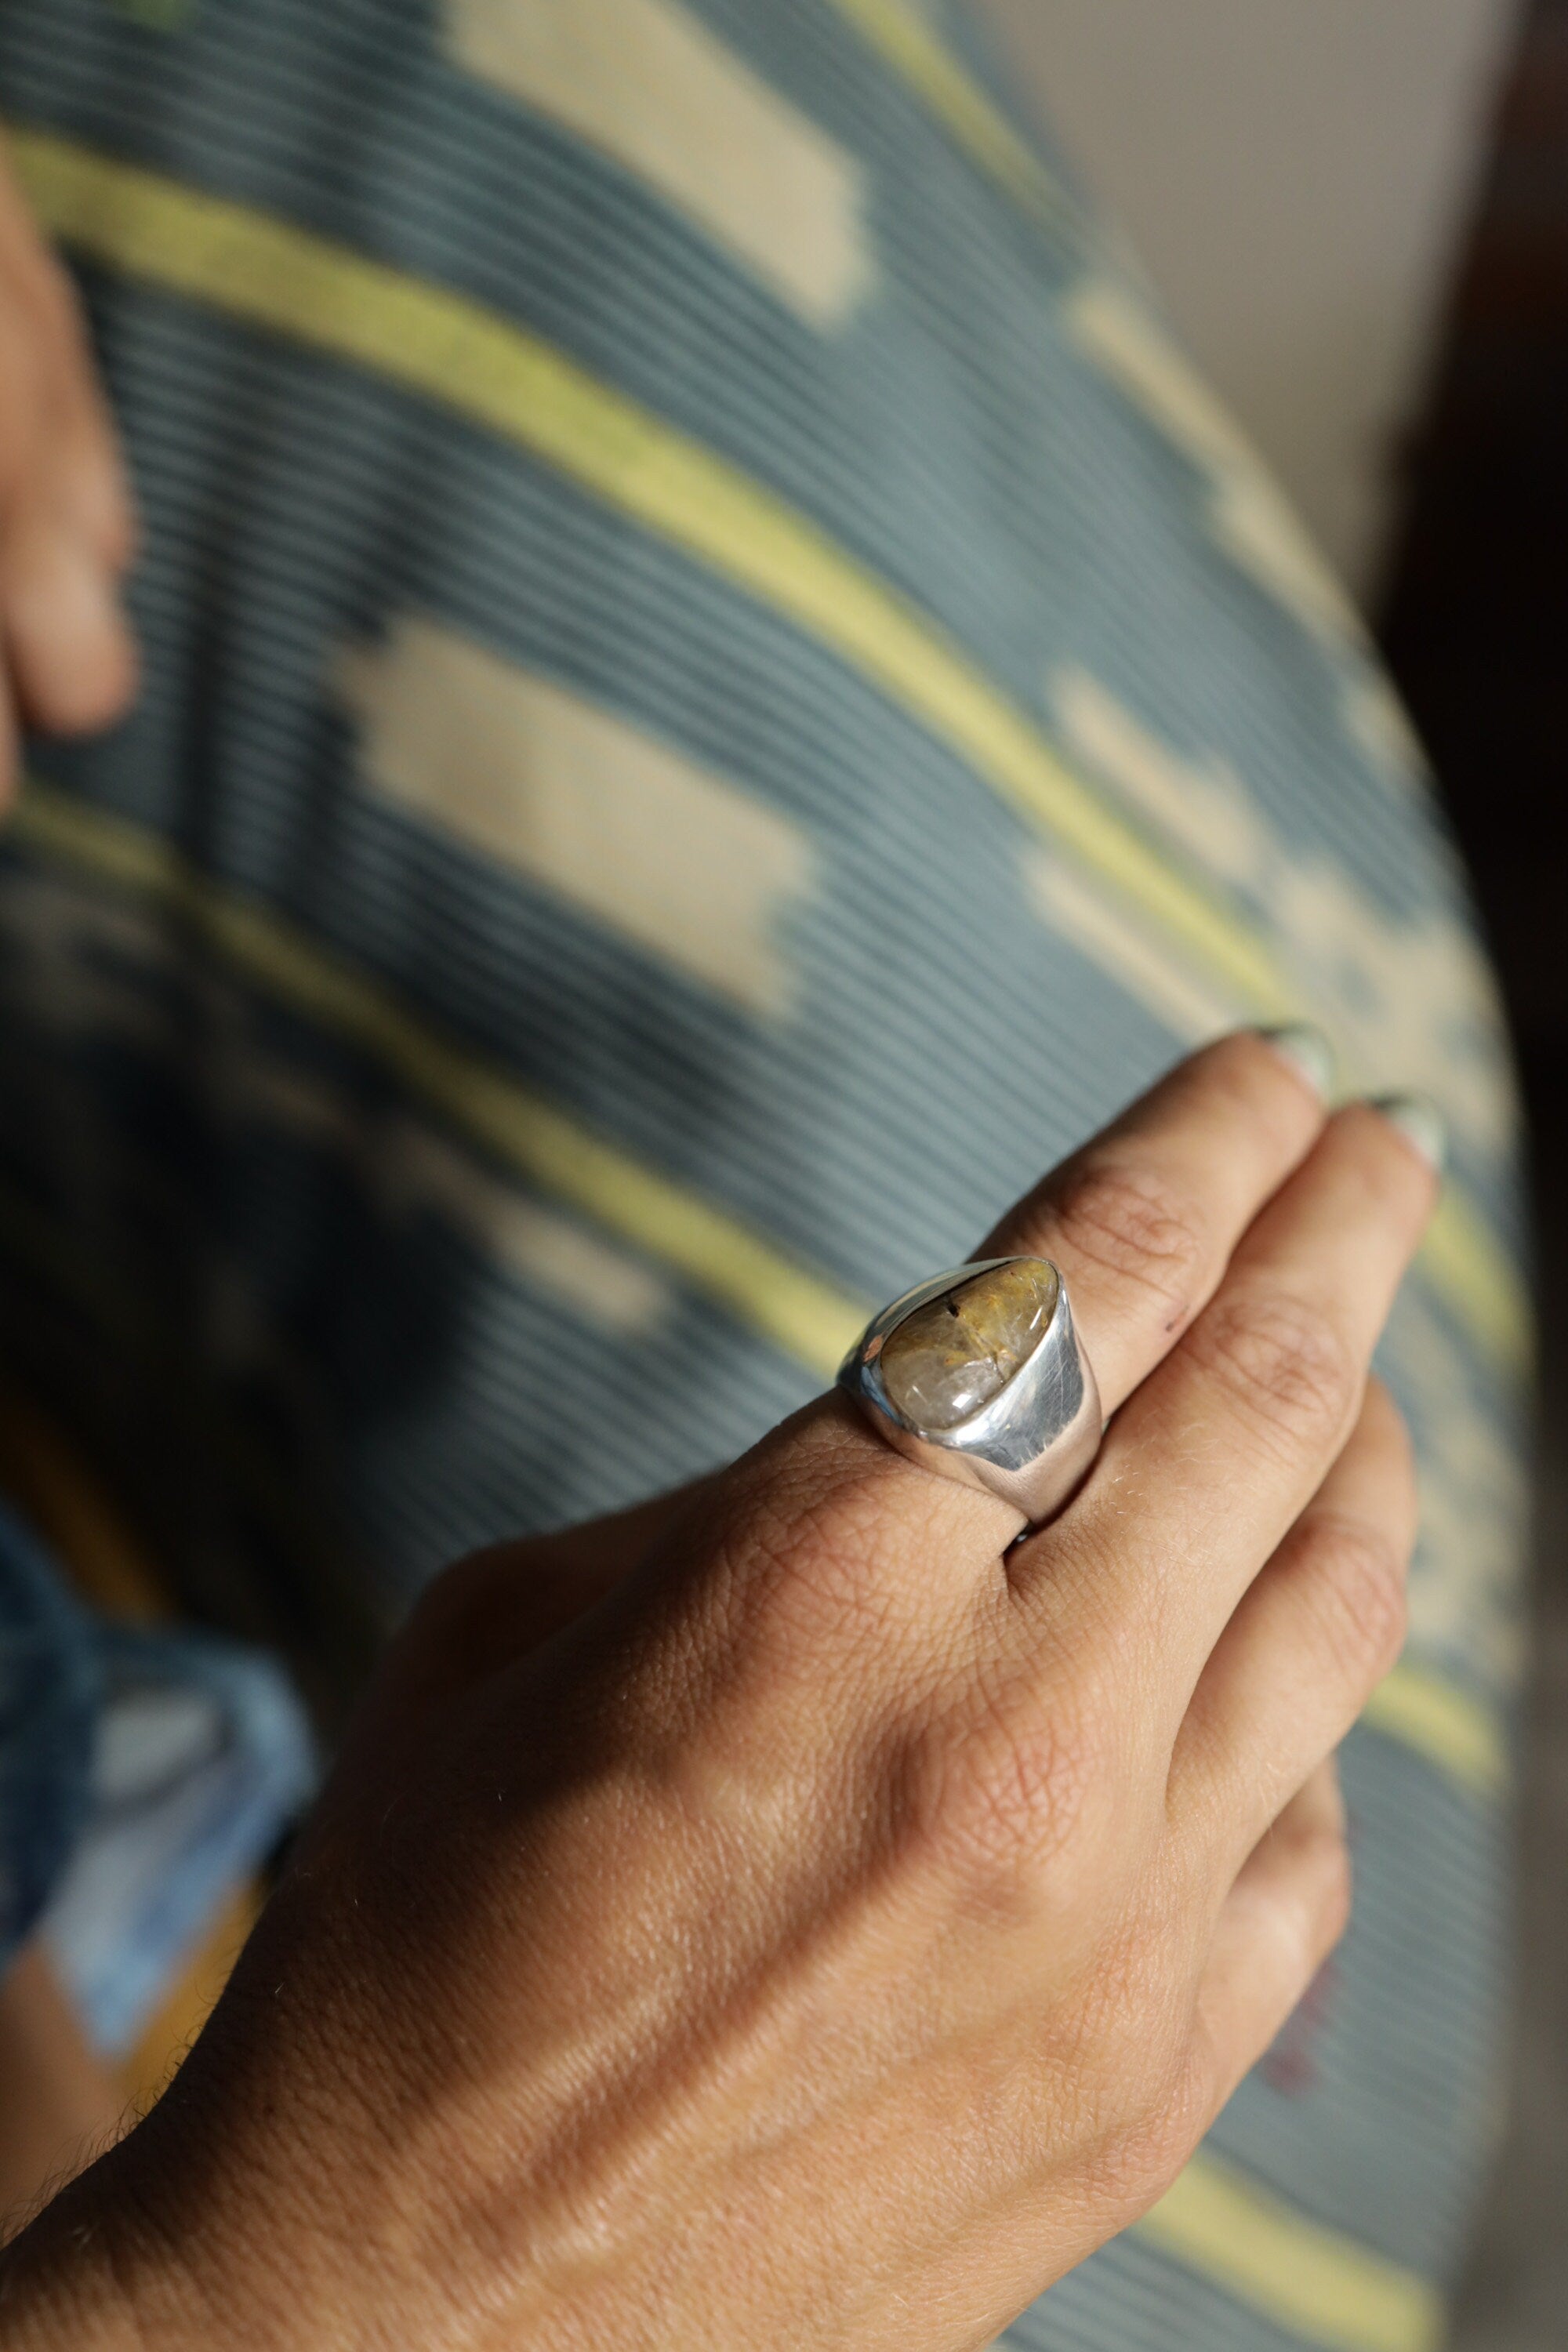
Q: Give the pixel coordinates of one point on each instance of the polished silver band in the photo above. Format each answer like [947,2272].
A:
[1031,1442]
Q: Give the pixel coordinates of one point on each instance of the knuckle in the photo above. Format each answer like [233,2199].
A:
[1339,1895]
[821,1565]
[1174,2116]
[1337,1885]
[1166,2104]
[1011,1793]
[1136,1225]
[1284,1361]
[1358,1580]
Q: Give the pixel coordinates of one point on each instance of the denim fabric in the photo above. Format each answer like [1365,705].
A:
[50,1693]
[142,1775]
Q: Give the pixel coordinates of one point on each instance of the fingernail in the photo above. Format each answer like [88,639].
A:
[1420,1122]
[1309,1052]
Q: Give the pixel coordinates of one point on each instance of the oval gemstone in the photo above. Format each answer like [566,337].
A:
[942,1363]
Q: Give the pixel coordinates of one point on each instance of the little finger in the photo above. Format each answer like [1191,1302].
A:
[1309,1643]
[1281,1919]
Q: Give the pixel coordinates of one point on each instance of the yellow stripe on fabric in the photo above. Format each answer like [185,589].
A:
[481,365]
[1447,1726]
[1315,2281]
[796,1309]
[478,364]
[972,118]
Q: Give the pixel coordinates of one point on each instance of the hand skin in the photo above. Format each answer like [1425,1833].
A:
[67,524]
[59,2103]
[846,1923]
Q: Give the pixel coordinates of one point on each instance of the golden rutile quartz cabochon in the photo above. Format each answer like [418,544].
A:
[947,1359]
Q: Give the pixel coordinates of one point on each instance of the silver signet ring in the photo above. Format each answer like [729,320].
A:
[978,1375]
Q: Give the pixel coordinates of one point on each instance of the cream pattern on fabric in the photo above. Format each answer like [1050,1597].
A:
[97,971]
[1411,1004]
[678,861]
[1475,1504]
[1247,515]
[1179,997]
[1374,718]
[907,34]
[411,1170]
[422,1174]
[645,81]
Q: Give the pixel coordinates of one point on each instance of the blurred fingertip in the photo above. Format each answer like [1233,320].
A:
[76,662]
[1321,1801]
[1419,1121]
[1307,1050]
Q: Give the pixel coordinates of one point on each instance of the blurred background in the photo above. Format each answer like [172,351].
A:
[1356,211]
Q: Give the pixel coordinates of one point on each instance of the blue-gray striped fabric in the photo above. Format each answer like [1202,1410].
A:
[716,695]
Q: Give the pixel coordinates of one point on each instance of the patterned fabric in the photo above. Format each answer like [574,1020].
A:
[717,694]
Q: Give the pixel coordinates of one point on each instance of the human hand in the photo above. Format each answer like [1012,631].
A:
[847,1923]
[67,525]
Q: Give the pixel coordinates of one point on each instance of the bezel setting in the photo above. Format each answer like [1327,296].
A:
[1030,1444]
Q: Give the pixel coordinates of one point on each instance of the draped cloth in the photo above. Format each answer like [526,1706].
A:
[717,694]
